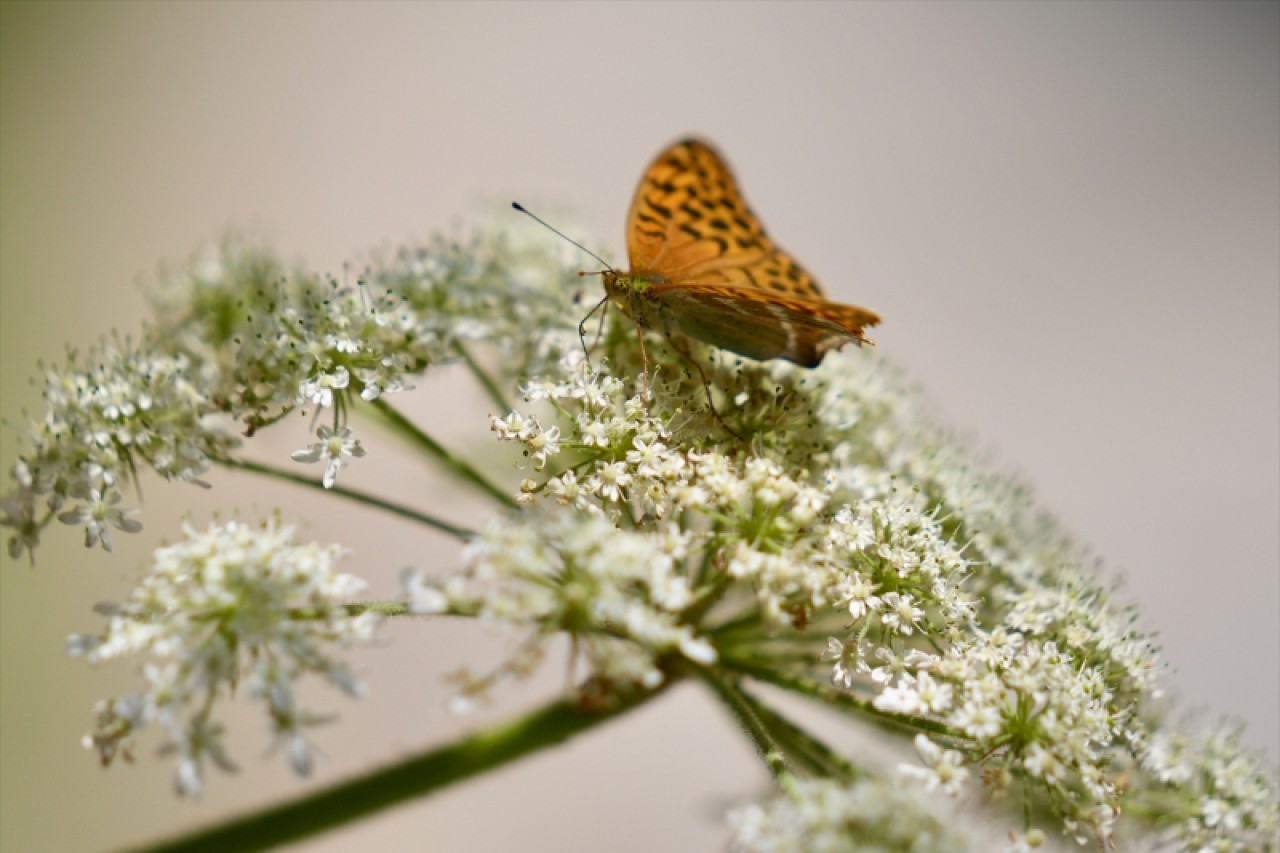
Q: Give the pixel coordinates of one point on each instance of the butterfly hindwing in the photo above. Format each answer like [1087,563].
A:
[763,327]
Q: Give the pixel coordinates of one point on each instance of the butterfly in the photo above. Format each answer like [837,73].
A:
[703,266]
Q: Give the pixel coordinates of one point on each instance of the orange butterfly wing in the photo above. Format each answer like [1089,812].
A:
[689,221]
[729,285]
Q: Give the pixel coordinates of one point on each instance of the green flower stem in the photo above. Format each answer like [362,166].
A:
[747,622]
[898,723]
[454,530]
[486,381]
[731,694]
[407,780]
[383,608]
[816,755]
[1159,808]
[465,610]
[409,431]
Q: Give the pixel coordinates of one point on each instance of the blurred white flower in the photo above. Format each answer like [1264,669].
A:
[233,604]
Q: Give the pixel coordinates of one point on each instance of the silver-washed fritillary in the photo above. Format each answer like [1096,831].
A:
[702,265]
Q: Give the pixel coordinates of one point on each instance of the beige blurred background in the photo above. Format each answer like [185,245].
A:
[1067,214]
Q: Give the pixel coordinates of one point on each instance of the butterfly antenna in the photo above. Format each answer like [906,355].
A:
[538,220]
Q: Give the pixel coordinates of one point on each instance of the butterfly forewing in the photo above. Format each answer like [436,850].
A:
[689,221]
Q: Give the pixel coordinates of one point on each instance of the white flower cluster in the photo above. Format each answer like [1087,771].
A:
[108,413]
[1029,708]
[1047,681]
[1215,795]
[826,817]
[236,604]
[512,286]
[1044,584]
[266,339]
[576,573]
[774,529]
[238,333]
[1008,647]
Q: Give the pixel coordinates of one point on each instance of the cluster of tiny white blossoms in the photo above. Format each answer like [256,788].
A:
[109,411]
[1042,581]
[867,816]
[238,334]
[512,287]
[235,604]
[959,604]
[1027,707]
[1049,680]
[1210,791]
[578,574]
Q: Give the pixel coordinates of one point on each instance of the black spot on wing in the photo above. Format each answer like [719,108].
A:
[661,209]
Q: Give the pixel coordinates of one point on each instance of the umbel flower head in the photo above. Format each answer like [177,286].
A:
[834,542]
[235,604]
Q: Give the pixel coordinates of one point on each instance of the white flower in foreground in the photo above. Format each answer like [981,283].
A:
[847,661]
[19,512]
[111,411]
[944,768]
[335,447]
[866,817]
[423,595]
[1227,794]
[236,604]
[319,389]
[99,515]
[575,571]
[542,444]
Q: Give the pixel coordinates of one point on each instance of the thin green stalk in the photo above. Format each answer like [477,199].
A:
[454,530]
[746,622]
[382,608]
[816,755]
[406,780]
[899,723]
[486,381]
[410,431]
[731,694]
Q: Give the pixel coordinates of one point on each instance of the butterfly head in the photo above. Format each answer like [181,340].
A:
[618,288]
[625,289]
[625,283]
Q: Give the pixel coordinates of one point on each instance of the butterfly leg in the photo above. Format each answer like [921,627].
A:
[582,326]
[706,387]
[600,326]
[644,364]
